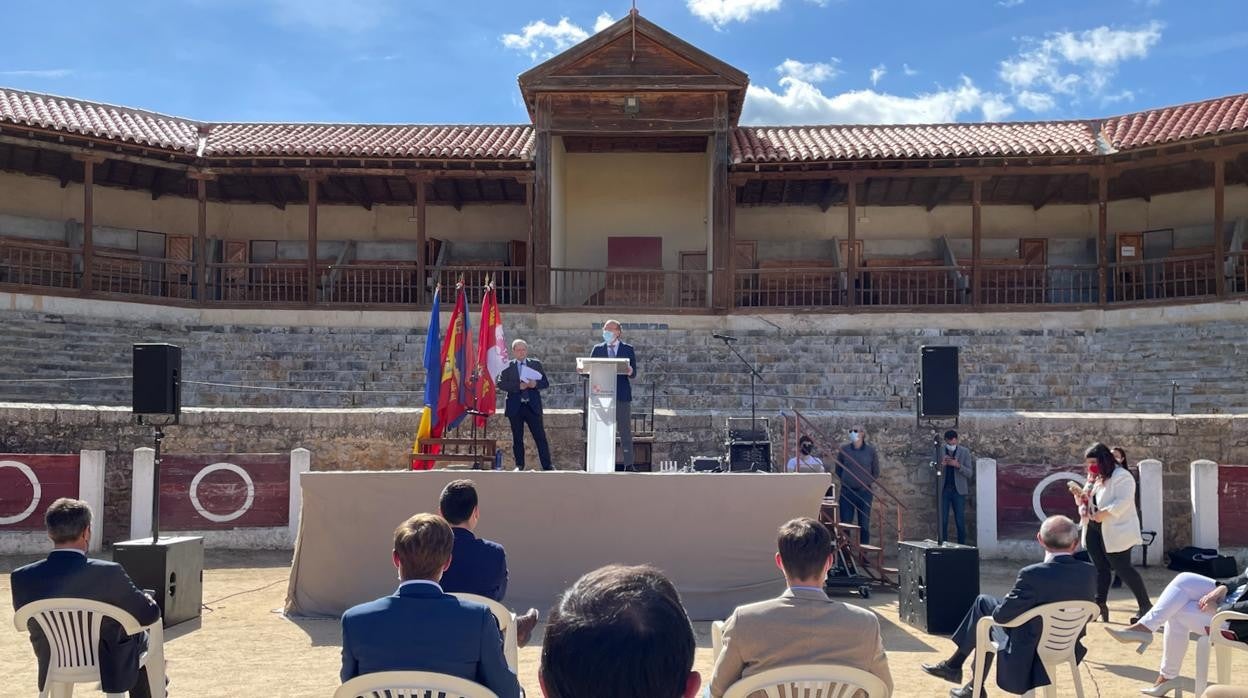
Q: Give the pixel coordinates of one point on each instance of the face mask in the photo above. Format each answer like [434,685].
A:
[1094,470]
[951,448]
[608,336]
[853,436]
[807,448]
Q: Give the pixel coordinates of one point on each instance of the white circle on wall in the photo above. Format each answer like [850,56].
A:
[222,518]
[35,496]
[1035,494]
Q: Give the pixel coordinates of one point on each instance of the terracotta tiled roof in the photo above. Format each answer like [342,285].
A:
[369,141]
[98,120]
[768,144]
[1168,124]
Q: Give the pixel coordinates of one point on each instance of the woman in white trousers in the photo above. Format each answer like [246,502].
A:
[1185,606]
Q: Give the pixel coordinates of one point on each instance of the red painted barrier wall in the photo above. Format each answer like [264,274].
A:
[29,483]
[1016,487]
[1233,505]
[220,498]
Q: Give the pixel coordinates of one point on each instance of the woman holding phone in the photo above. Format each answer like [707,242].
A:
[1111,527]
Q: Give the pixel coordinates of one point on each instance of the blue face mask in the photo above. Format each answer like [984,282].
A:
[608,336]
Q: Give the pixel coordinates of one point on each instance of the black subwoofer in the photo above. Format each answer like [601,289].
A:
[938,584]
[938,382]
[157,376]
[173,569]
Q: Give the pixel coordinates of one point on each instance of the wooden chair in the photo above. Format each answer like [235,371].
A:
[811,681]
[1221,646]
[411,684]
[1063,624]
[506,623]
[72,627]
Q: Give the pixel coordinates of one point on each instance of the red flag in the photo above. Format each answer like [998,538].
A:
[491,355]
[454,398]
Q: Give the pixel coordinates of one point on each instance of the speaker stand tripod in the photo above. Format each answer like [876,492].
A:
[158,435]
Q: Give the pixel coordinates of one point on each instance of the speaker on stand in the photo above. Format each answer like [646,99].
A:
[937,387]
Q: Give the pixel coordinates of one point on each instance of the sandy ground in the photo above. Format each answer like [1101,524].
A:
[244,646]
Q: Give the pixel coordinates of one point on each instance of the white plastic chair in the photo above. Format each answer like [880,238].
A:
[1063,623]
[72,627]
[411,684]
[811,681]
[506,623]
[1221,650]
[717,640]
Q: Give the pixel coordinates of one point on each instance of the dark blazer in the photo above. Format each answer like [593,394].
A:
[509,381]
[478,566]
[67,574]
[1062,579]
[623,383]
[1239,605]
[421,628]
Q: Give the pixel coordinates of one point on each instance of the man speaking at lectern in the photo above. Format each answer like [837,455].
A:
[613,347]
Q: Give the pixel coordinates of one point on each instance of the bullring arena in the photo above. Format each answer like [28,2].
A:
[1092,274]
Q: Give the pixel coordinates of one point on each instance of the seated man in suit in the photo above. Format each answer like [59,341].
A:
[803,625]
[619,632]
[420,628]
[69,573]
[1059,578]
[478,566]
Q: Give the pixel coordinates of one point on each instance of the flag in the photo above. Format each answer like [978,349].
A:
[429,415]
[454,398]
[491,355]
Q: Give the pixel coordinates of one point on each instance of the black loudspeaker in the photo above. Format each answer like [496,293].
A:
[938,583]
[749,456]
[157,379]
[173,569]
[938,382]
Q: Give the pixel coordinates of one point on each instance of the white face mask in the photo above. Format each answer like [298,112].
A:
[951,448]
[853,436]
[608,336]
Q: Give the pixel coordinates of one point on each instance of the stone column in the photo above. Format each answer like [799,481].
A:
[985,507]
[91,491]
[1151,515]
[1204,504]
[141,493]
[300,462]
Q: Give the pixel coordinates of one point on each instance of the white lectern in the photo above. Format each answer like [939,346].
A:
[600,411]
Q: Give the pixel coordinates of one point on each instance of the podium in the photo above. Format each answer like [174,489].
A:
[600,411]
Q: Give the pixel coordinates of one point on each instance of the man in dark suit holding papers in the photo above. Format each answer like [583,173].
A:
[523,380]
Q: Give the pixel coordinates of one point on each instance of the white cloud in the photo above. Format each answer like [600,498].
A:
[604,20]
[878,72]
[1035,101]
[800,102]
[1121,96]
[909,72]
[540,39]
[721,12]
[809,72]
[50,73]
[1073,63]
[1010,3]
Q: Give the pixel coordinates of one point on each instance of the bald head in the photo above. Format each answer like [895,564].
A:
[1058,534]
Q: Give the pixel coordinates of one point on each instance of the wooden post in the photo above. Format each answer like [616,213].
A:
[528,247]
[1219,225]
[313,187]
[977,190]
[851,260]
[1102,235]
[722,205]
[201,240]
[731,282]
[422,238]
[541,202]
[88,221]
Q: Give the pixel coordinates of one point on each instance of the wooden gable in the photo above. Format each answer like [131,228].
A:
[635,57]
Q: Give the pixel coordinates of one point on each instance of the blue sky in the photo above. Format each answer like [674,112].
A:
[810,61]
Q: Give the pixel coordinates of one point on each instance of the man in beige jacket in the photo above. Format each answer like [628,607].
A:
[802,626]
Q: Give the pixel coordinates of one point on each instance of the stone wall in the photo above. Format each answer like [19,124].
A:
[376,439]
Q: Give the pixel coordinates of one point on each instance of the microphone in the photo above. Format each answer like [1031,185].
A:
[724,337]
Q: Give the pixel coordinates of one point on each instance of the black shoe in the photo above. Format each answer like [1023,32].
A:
[1140,614]
[944,670]
[966,692]
[1104,613]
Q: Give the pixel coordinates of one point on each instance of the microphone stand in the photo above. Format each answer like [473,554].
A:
[754,374]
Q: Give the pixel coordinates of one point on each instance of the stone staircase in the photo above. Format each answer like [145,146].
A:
[1115,370]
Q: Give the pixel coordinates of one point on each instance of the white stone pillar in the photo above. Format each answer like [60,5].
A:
[1151,514]
[300,462]
[141,474]
[91,491]
[985,507]
[1204,504]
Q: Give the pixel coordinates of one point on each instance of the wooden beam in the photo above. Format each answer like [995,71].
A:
[528,248]
[851,259]
[742,174]
[418,189]
[1219,224]
[520,175]
[976,237]
[67,170]
[456,199]
[826,199]
[541,201]
[1102,234]
[97,153]
[359,197]
[943,190]
[1205,155]
[313,192]
[88,222]
[723,200]
[158,184]
[1052,187]
[201,239]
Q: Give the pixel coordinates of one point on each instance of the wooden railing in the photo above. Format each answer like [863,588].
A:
[509,282]
[128,274]
[38,264]
[629,288]
[1237,266]
[258,284]
[1193,276]
[810,286]
[1025,284]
